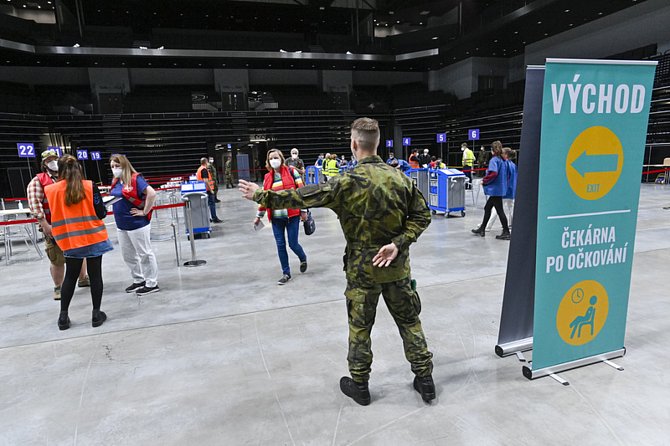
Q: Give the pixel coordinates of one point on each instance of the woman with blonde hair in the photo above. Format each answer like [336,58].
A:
[132,214]
[77,211]
[282,177]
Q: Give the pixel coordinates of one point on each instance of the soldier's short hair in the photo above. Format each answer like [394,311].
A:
[366,132]
[203,160]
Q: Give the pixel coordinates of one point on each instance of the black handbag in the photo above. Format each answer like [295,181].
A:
[309,224]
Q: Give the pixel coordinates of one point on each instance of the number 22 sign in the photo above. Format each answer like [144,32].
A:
[26,149]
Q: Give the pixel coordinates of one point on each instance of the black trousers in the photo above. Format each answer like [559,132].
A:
[72,269]
[495,202]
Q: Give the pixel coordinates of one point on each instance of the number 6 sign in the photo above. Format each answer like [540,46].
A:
[473,134]
[26,149]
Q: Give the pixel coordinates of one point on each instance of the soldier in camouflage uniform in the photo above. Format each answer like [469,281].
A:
[381,213]
[229,173]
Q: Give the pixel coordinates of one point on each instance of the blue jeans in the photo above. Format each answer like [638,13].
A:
[212,205]
[292,227]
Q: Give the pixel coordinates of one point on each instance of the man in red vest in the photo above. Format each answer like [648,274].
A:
[39,206]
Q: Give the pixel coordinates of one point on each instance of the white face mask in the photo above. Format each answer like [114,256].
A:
[117,171]
[53,166]
[294,156]
[425,152]
[275,163]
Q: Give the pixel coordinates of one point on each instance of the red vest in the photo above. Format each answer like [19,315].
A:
[287,181]
[77,225]
[132,194]
[45,180]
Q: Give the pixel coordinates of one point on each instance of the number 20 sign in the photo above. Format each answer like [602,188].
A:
[82,154]
[26,149]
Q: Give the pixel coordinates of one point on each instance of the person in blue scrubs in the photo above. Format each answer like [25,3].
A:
[495,187]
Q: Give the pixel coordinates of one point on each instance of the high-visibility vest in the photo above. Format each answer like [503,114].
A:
[468,158]
[210,180]
[45,180]
[132,194]
[331,169]
[74,226]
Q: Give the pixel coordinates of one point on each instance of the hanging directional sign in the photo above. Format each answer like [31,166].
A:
[473,134]
[441,137]
[82,154]
[389,143]
[95,156]
[407,141]
[56,149]
[26,149]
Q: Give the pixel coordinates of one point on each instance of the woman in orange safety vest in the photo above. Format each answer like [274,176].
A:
[77,211]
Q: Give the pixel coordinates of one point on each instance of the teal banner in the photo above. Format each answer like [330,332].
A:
[594,127]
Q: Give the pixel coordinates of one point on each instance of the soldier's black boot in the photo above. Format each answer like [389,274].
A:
[356,391]
[504,236]
[480,231]
[425,386]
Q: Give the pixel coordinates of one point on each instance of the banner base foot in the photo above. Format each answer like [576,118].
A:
[529,373]
[510,348]
[195,263]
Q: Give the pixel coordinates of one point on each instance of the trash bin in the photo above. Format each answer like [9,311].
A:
[313,175]
[420,178]
[196,194]
[446,191]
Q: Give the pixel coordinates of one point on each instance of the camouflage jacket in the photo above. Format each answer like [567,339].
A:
[229,167]
[212,171]
[376,205]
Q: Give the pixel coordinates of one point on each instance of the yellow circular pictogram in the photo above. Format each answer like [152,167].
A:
[582,312]
[594,163]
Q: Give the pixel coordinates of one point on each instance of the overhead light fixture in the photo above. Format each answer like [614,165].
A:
[424,12]
[144,48]
[435,38]
[349,52]
[76,45]
[282,50]
[391,12]
[160,47]
[322,8]
[567,10]
[298,52]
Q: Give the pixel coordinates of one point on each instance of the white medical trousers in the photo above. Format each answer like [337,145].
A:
[138,255]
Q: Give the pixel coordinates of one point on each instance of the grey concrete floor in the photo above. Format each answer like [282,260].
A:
[223,356]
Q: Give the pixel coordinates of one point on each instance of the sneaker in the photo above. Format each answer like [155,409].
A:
[426,387]
[98,318]
[56,293]
[63,321]
[85,282]
[358,392]
[134,286]
[303,266]
[504,236]
[147,290]
[285,278]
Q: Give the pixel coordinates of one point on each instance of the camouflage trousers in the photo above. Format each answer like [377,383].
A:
[404,305]
[229,180]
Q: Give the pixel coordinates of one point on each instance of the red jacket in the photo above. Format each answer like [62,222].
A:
[45,180]
[132,194]
[288,182]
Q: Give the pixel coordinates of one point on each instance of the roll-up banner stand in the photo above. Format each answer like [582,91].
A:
[568,277]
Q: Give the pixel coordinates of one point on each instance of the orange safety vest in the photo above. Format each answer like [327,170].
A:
[210,180]
[132,194]
[77,225]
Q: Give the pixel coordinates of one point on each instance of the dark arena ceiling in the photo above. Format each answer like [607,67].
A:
[417,35]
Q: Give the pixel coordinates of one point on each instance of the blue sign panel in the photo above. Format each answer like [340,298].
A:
[95,156]
[407,141]
[56,149]
[594,126]
[473,134]
[82,154]
[26,149]
[441,137]
[389,143]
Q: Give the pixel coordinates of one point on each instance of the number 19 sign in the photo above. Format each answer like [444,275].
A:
[26,149]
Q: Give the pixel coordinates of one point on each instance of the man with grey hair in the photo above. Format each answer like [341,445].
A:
[297,163]
[381,212]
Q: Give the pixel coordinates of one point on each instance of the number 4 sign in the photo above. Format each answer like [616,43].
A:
[82,154]
[26,149]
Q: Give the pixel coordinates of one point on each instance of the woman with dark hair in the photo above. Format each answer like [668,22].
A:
[495,187]
[77,211]
[282,177]
[132,214]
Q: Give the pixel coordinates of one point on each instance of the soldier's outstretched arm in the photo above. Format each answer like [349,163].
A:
[418,219]
[310,196]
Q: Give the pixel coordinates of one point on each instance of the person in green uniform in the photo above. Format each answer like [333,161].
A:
[229,173]
[381,212]
[211,168]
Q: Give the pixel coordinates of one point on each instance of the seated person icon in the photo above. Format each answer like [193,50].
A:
[587,319]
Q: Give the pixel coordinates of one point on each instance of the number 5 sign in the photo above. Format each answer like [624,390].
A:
[26,149]
[82,154]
